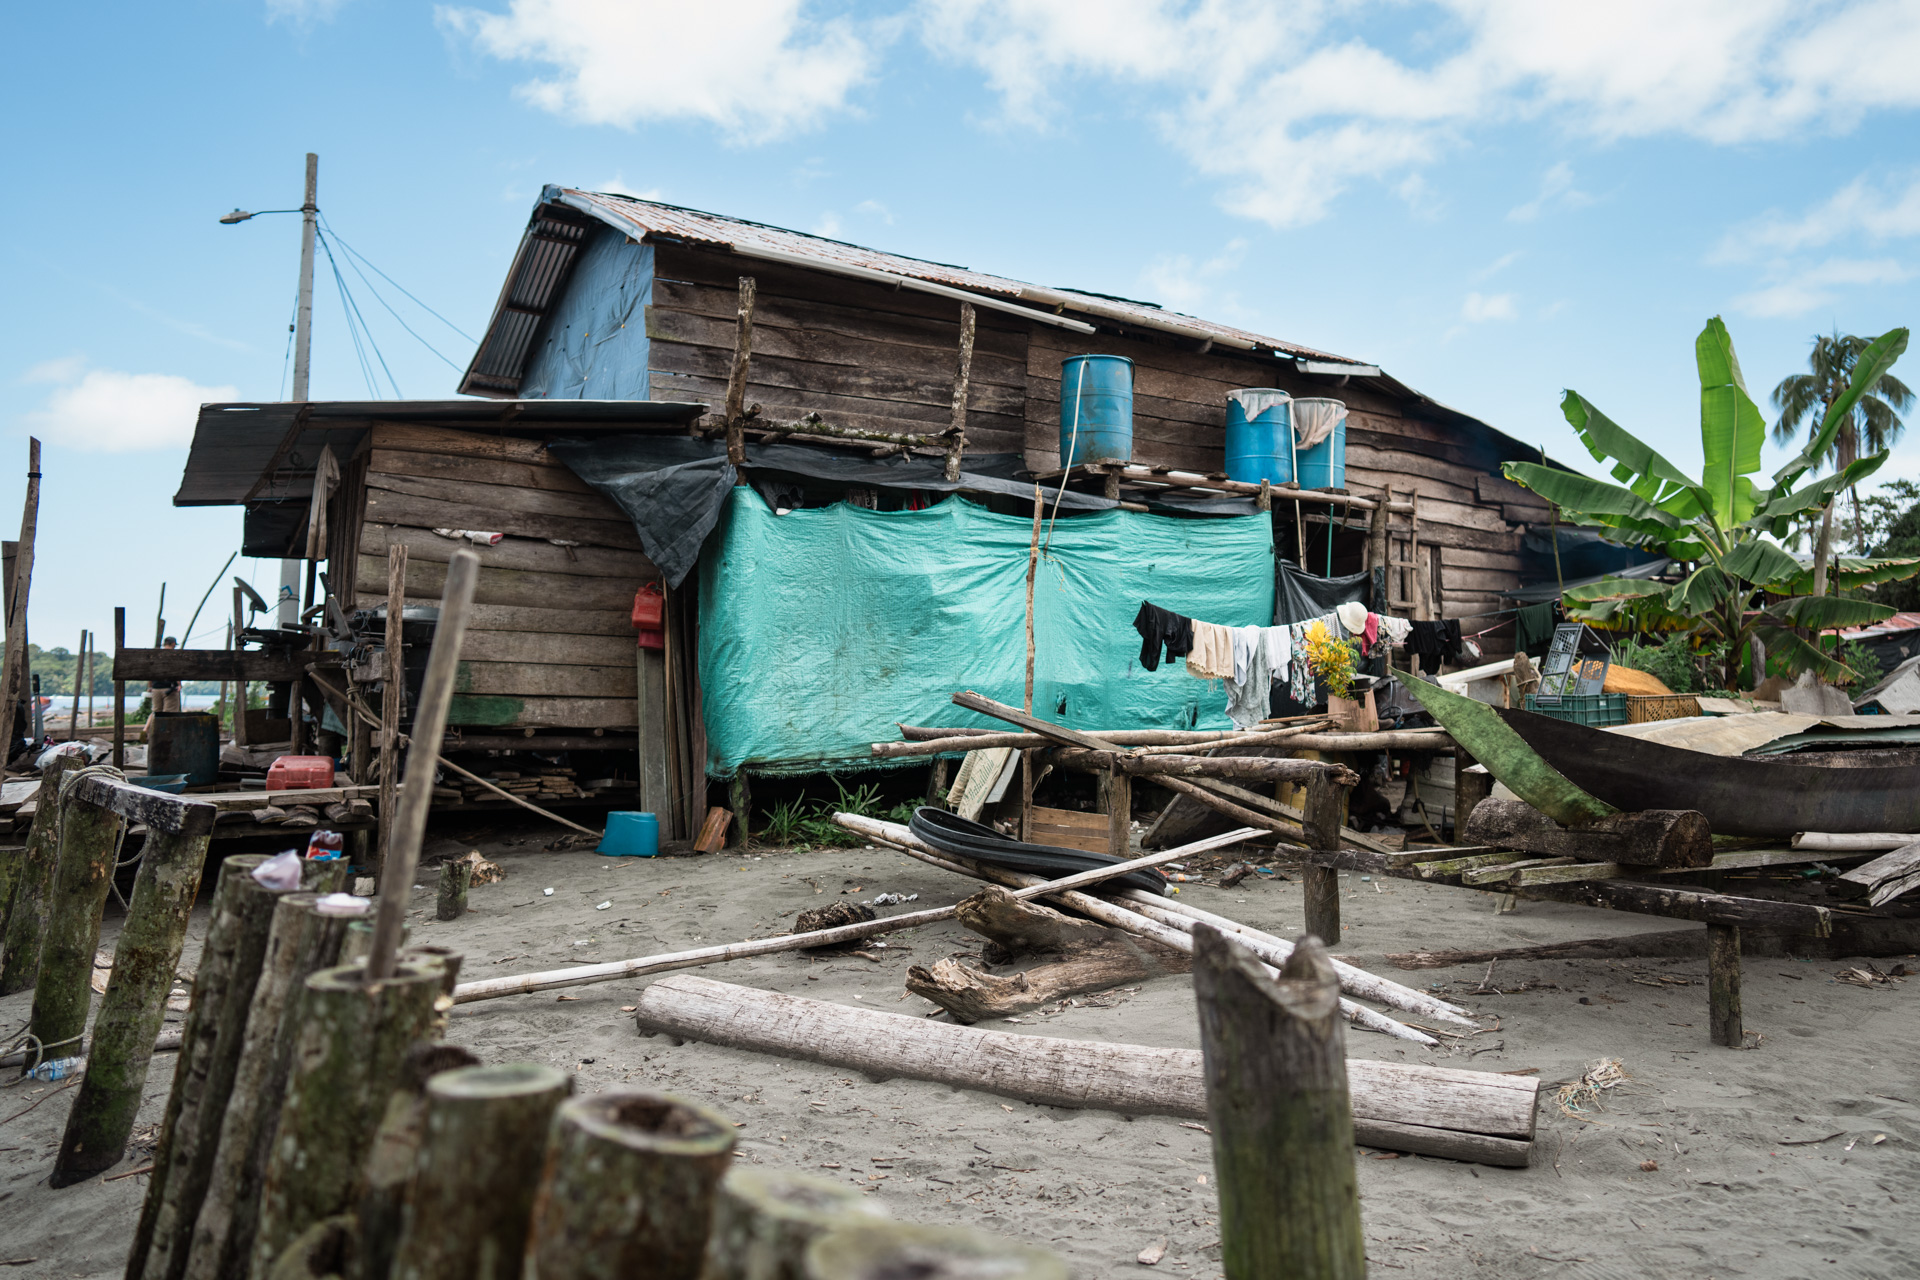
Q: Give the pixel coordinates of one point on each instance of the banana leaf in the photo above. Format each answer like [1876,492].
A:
[1651,477]
[1874,361]
[1732,428]
[1775,515]
[1784,643]
[1590,501]
[1488,739]
[1824,613]
[1759,561]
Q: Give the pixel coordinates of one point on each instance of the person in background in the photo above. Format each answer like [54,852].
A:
[165,694]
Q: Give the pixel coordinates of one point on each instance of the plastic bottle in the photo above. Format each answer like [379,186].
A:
[59,1068]
[325,846]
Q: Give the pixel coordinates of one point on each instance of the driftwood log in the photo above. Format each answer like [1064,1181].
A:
[1885,878]
[62,994]
[1095,958]
[479,1168]
[629,1188]
[764,1219]
[33,885]
[896,1250]
[300,942]
[1464,1115]
[144,961]
[395,1153]
[1649,838]
[1259,768]
[1278,1112]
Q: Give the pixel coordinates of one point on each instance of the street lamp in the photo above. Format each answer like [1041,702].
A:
[302,347]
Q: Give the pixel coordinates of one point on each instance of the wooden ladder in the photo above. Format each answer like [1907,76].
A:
[1407,591]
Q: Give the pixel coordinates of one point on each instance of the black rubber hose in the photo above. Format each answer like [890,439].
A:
[949,833]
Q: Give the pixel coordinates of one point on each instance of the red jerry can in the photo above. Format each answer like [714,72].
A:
[650,617]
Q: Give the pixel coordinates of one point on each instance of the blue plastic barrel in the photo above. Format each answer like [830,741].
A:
[1324,466]
[1260,435]
[631,835]
[1096,409]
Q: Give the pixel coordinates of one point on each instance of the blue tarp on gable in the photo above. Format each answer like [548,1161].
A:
[822,629]
[594,344]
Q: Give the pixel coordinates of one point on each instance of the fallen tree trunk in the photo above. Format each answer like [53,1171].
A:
[1462,1115]
[1649,838]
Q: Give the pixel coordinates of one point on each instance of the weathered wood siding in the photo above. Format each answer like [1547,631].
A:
[551,644]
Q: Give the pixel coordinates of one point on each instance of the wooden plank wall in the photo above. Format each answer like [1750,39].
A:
[862,355]
[551,644]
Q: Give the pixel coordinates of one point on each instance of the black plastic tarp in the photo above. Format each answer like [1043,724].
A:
[1299,596]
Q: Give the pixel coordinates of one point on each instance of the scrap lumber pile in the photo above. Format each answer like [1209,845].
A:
[535,782]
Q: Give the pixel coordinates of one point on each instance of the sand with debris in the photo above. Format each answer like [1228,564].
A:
[1703,1162]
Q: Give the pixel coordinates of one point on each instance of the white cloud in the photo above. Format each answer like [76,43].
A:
[1805,288]
[757,69]
[1873,211]
[106,411]
[619,186]
[303,12]
[1481,307]
[828,225]
[1290,105]
[1556,190]
[1498,265]
[874,209]
[1179,283]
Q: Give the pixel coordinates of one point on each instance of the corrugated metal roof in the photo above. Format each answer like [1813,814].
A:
[643,218]
[1885,627]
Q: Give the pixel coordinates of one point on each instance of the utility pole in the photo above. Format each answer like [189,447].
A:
[290,570]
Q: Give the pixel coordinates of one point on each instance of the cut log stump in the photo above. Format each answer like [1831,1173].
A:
[396,1153]
[891,1250]
[764,1219]
[62,995]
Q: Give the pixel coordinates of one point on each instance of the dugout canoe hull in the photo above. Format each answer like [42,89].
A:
[1740,795]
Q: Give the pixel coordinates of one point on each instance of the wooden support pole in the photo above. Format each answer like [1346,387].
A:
[216,1025]
[1321,885]
[1377,533]
[478,1171]
[300,942]
[629,1187]
[957,432]
[1279,1112]
[79,669]
[393,696]
[63,995]
[423,753]
[736,403]
[1470,787]
[14,679]
[119,690]
[33,890]
[241,688]
[1033,566]
[1723,986]
[1119,812]
[451,902]
[396,1153]
[134,1006]
[354,1035]
[883,1250]
[740,800]
[764,1219]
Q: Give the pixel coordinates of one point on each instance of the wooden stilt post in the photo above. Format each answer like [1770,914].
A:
[764,1219]
[392,707]
[478,1171]
[1278,1107]
[135,1004]
[33,891]
[203,1075]
[1723,985]
[736,404]
[957,432]
[1119,790]
[1321,821]
[13,666]
[451,903]
[396,1154]
[119,690]
[240,687]
[629,1187]
[300,942]
[79,668]
[873,1250]
[1028,760]
[1469,789]
[937,780]
[740,800]
[63,994]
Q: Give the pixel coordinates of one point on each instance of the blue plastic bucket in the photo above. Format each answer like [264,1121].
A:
[1096,409]
[1324,466]
[631,835]
[1260,435]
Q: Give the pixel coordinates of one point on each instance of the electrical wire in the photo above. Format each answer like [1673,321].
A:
[286,362]
[358,328]
[395,283]
[398,319]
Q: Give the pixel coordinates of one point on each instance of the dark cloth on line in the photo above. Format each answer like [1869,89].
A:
[1162,628]
[1533,627]
[1434,639]
[1299,596]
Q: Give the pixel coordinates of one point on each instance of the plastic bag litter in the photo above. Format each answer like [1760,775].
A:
[483,537]
[281,872]
[47,757]
[889,899]
[342,904]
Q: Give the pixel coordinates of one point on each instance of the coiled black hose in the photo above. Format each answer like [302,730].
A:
[949,833]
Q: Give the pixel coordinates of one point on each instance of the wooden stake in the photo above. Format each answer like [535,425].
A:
[300,942]
[736,404]
[629,1188]
[478,1171]
[33,890]
[130,1014]
[880,1250]
[429,725]
[353,1039]
[452,901]
[764,1219]
[740,799]
[396,1153]
[957,432]
[1033,566]
[79,668]
[13,667]
[119,690]
[1279,1112]
[241,687]
[1321,885]
[63,995]
[393,697]
[1470,787]
[1723,986]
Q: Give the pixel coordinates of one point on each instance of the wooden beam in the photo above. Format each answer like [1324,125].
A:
[214,664]
[182,815]
[1690,904]
[963,371]
[15,681]
[736,406]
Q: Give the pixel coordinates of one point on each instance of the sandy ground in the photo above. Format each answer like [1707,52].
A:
[1748,1182]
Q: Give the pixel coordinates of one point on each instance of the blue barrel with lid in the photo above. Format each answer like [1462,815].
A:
[1260,435]
[1096,409]
[1323,463]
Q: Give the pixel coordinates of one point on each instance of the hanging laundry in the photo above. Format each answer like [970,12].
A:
[1245,641]
[1353,616]
[1370,634]
[1260,657]
[1162,628]
[1395,629]
[1533,627]
[1211,657]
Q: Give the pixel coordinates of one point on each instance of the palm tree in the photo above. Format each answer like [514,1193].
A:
[1874,424]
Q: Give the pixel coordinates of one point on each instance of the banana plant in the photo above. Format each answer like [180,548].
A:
[1723,528]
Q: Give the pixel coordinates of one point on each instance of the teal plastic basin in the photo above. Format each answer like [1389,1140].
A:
[631,835]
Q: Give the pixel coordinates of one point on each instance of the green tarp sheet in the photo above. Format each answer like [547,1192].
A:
[822,629]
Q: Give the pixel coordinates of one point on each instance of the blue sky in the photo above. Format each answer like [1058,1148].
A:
[1494,199]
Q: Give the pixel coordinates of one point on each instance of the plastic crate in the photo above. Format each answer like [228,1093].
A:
[1595,709]
[1645,707]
